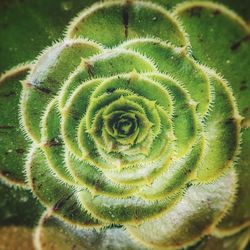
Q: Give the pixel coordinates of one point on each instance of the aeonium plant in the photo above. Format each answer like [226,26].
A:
[136,126]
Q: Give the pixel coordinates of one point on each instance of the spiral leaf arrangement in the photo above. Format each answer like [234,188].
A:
[129,123]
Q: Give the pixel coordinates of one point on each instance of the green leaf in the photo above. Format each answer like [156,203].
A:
[194,216]
[12,152]
[54,234]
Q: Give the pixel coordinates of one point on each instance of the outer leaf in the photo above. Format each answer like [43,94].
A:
[12,152]
[193,217]
[54,234]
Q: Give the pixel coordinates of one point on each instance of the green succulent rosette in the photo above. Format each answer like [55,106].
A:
[136,128]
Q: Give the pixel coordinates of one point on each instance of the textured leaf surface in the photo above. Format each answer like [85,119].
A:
[238,216]
[12,151]
[194,216]
[220,39]
[53,234]
[237,241]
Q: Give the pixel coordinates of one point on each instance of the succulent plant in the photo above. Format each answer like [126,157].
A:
[132,132]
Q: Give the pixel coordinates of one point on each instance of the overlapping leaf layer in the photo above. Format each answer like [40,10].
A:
[131,125]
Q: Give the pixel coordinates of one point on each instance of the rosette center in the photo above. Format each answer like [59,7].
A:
[122,125]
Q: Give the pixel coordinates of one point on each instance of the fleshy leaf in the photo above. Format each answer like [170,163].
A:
[194,216]
[130,210]
[235,242]
[53,193]
[46,78]
[223,133]
[54,234]
[239,216]
[12,151]
[124,18]
[220,40]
